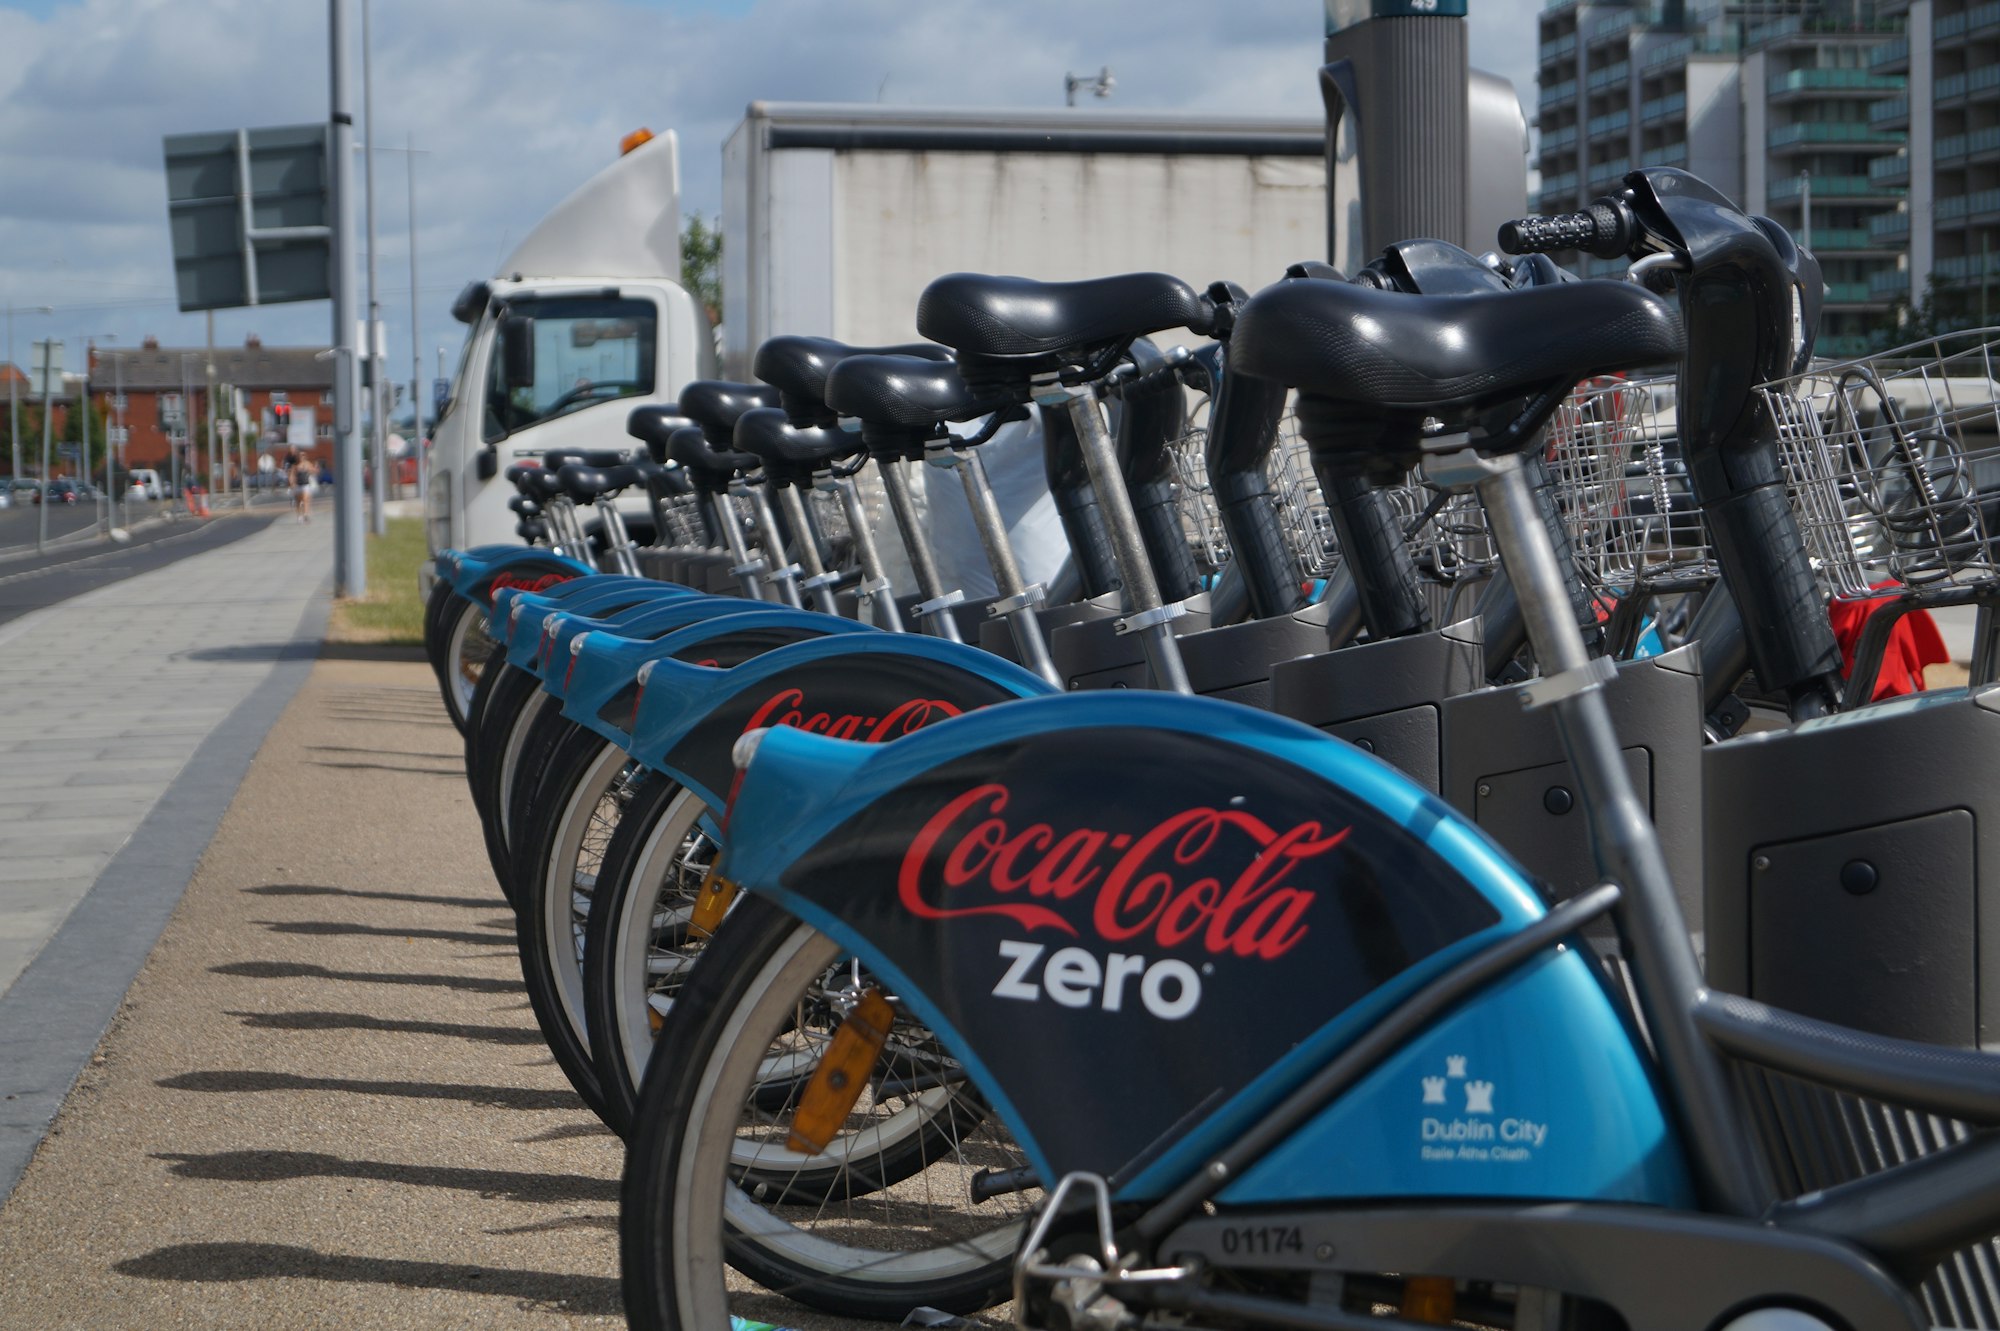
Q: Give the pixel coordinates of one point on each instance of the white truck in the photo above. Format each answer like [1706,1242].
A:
[585,320]
[834,217]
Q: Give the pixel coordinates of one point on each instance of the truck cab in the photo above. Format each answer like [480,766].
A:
[584,321]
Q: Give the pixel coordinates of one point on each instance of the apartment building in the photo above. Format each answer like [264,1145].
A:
[1775,103]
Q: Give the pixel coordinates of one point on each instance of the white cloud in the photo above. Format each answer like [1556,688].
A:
[516,102]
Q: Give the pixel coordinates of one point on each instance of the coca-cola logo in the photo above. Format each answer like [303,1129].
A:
[1214,878]
[503,581]
[788,707]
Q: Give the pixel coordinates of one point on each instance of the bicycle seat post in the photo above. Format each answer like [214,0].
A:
[745,568]
[874,583]
[1146,611]
[617,540]
[783,577]
[817,582]
[935,609]
[1018,600]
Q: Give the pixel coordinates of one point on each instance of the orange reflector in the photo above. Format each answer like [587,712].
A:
[842,1072]
[711,903]
[637,138]
[1432,1299]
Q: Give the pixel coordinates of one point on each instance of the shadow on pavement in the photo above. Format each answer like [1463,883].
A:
[370,651]
[246,1081]
[248,651]
[597,1296]
[271,1166]
[358,1021]
[565,1131]
[318,890]
[457,773]
[340,928]
[304,970]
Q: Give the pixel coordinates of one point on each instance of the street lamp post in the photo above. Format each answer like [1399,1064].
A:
[48,414]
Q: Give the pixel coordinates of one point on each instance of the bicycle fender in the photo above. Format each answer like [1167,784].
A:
[872,687]
[521,566]
[601,688]
[1199,905]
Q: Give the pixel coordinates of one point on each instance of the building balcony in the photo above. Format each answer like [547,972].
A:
[1888,284]
[1822,82]
[1890,112]
[1956,147]
[1609,27]
[1563,46]
[1847,293]
[1981,205]
[1557,94]
[1844,240]
[1558,140]
[1978,19]
[1615,123]
[1603,174]
[1832,187]
[1610,76]
[1845,346]
[1890,171]
[1674,104]
[1982,269]
[1672,154]
[1954,86]
[1889,230]
[1810,134]
[1888,58]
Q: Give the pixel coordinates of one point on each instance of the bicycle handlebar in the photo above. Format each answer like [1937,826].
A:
[1606,230]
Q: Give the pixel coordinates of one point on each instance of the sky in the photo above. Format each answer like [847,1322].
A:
[514,103]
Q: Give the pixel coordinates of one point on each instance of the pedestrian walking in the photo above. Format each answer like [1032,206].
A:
[302,485]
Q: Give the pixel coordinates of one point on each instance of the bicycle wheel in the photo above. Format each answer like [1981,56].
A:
[710,1141]
[467,647]
[436,606]
[493,750]
[638,947]
[556,873]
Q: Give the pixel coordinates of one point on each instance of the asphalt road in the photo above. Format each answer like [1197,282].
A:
[18,523]
[30,583]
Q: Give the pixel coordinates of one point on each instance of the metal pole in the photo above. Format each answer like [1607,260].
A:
[48,415]
[416,342]
[378,425]
[118,408]
[1805,207]
[83,423]
[242,448]
[208,404]
[350,572]
[13,395]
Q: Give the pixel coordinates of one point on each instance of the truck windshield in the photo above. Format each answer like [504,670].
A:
[570,352]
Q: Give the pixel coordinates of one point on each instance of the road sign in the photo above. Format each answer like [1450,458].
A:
[248,214]
[45,356]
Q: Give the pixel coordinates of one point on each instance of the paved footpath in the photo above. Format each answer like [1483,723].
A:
[325,1101]
[132,711]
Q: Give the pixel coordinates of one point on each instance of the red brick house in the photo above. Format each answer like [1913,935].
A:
[154,379]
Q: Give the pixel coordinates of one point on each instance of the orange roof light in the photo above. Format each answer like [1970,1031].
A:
[635,139]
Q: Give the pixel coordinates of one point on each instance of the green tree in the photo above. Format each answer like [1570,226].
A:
[1947,306]
[701,263]
[71,432]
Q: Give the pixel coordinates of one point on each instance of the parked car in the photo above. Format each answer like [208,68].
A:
[61,490]
[146,484]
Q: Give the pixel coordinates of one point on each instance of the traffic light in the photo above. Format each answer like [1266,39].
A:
[281,418]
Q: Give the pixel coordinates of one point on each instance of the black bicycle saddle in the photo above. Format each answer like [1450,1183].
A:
[654,424]
[715,405]
[523,506]
[589,457]
[797,367]
[708,467]
[1008,318]
[766,433]
[1385,352]
[901,392]
[585,484]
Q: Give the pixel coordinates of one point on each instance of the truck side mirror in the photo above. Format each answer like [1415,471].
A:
[517,349]
[487,464]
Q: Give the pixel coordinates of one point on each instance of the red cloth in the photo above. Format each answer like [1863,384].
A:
[1913,644]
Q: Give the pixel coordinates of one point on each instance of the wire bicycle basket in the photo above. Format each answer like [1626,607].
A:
[1613,456]
[1892,464]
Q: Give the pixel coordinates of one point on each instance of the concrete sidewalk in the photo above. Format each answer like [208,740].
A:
[325,1101]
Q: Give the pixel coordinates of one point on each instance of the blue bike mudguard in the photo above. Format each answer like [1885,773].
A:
[1201,905]
[521,566]
[521,613]
[604,675]
[872,687]
[534,636]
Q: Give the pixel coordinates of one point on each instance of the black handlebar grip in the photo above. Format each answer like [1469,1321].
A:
[1549,235]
